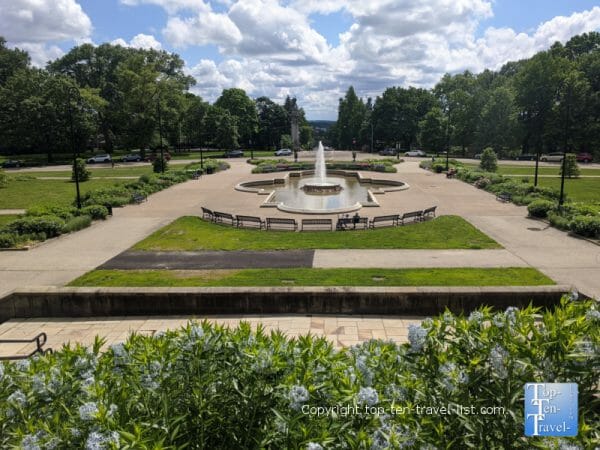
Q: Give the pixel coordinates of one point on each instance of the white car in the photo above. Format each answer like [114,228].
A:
[552,157]
[99,159]
[283,152]
[415,153]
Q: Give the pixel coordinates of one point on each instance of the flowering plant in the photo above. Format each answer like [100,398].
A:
[205,386]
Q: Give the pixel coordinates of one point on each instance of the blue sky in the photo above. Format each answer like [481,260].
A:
[311,49]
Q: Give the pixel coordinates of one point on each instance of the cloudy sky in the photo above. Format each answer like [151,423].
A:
[311,49]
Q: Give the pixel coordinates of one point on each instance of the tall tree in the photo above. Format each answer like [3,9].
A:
[243,109]
[498,126]
[351,114]
[11,61]
[272,123]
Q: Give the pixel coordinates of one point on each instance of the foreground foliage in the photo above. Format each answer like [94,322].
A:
[208,387]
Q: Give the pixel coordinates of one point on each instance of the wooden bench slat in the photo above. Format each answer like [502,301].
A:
[393,218]
[316,223]
[285,223]
[240,219]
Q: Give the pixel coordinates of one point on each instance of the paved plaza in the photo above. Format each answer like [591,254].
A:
[526,242]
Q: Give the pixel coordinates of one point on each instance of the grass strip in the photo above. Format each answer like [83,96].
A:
[192,233]
[518,276]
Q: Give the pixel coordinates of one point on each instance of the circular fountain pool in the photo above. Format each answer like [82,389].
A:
[355,192]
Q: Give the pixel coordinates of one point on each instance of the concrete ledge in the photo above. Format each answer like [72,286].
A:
[90,302]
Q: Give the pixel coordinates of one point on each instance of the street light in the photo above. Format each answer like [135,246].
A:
[162,155]
[70,91]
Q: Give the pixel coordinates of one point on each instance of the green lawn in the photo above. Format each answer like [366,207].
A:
[577,189]
[134,171]
[192,233]
[507,169]
[315,277]
[24,192]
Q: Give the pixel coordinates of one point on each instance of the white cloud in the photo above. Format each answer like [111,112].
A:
[43,20]
[171,6]
[145,41]
[39,53]
[205,28]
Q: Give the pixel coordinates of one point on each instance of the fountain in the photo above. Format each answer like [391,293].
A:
[317,192]
[319,184]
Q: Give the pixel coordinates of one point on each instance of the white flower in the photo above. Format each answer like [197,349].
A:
[1,370]
[498,320]
[298,396]
[30,442]
[75,432]
[565,445]
[17,398]
[448,317]
[148,382]
[511,314]
[497,359]
[416,337]
[196,332]
[23,365]
[313,446]
[476,316]
[592,315]
[367,396]
[574,295]
[395,392]
[100,441]
[112,409]
[88,411]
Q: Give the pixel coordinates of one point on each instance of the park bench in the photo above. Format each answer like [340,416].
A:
[504,197]
[346,223]
[249,221]
[196,174]
[414,215]
[429,212]
[280,223]
[390,220]
[221,217]
[207,213]
[138,197]
[39,340]
[316,224]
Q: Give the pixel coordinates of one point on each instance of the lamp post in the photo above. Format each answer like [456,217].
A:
[162,154]
[448,142]
[70,91]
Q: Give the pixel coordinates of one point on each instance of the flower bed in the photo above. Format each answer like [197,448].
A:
[41,223]
[282,165]
[209,387]
[580,218]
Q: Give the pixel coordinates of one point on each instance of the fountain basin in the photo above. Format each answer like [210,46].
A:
[287,193]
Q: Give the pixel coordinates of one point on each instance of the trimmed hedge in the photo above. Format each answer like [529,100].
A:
[208,387]
[586,226]
[77,223]
[52,226]
[540,208]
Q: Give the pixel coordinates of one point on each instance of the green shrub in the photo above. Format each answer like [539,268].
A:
[96,212]
[64,212]
[209,387]
[489,160]
[586,226]
[570,166]
[439,168]
[50,225]
[160,165]
[8,240]
[144,178]
[77,223]
[540,208]
[79,168]
[558,221]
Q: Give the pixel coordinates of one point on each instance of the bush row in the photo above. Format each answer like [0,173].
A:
[44,222]
[541,202]
[282,165]
[206,386]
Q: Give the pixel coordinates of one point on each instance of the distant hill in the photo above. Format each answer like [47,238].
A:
[321,124]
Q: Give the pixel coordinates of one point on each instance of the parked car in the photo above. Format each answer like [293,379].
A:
[233,154]
[153,156]
[584,157]
[389,151]
[477,156]
[99,159]
[11,164]
[133,157]
[552,157]
[525,157]
[283,152]
[415,153]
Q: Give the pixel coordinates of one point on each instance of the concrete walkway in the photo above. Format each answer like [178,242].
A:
[12,212]
[342,331]
[565,259]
